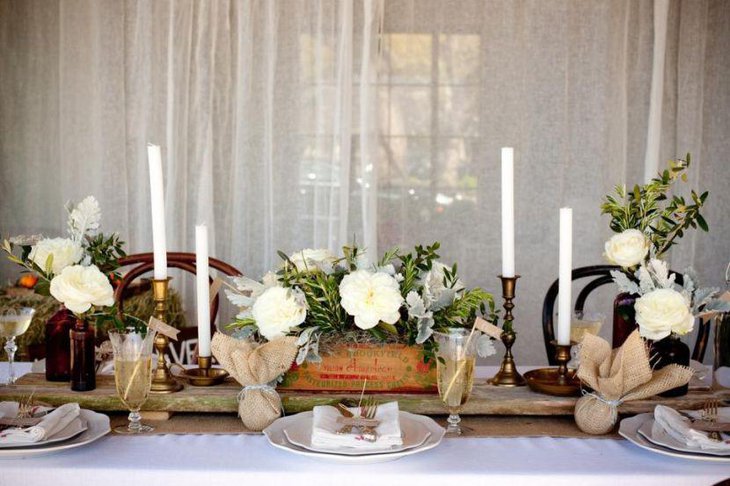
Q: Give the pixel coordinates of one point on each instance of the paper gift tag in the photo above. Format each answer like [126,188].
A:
[488,328]
[215,287]
[157,325]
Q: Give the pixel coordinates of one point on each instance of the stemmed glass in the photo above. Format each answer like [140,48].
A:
[455,369]
[133,374]
[583,323]
[13,323]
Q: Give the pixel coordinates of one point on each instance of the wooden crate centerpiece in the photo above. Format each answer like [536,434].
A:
[390,368]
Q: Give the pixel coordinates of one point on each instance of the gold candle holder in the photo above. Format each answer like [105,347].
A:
[560,381]
[204,374]
[508,374]
[162,379]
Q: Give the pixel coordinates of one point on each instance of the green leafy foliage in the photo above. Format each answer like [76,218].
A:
[649,209]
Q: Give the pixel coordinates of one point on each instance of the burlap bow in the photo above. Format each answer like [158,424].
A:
[255,366]
[618,376]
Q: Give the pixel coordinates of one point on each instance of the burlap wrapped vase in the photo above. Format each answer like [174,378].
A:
[618,376]
[255,367]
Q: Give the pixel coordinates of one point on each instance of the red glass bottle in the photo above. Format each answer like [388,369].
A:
[83,357]
[58,345]
[670,350]
[624,318]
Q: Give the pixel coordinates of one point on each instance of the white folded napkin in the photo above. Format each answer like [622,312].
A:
[680,428]
[9,409]
[325,427]
[52,423]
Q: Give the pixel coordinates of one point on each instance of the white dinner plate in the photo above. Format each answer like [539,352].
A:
[299,433]
[629,429]
[74,428]
[656,434]
[275,434]
[97,427]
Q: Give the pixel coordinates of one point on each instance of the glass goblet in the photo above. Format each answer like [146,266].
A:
[13,323]
[133,374]
[583,323]
[455,369]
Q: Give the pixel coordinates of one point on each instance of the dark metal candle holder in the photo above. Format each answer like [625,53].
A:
[560,381]
[508,374]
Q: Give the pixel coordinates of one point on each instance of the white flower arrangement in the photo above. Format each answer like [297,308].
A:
[627,249]
[403,297]
[75,270]
[664,307]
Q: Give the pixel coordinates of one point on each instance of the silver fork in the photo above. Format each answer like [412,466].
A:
[368,410]
[709,414]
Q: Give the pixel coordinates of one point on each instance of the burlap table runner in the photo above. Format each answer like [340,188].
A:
[474,426]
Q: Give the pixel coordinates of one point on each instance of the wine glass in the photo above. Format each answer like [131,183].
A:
[583,323]
[133,374]
[13,322]
[456,356]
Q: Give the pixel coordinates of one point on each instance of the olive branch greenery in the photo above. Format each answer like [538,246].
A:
[649,209]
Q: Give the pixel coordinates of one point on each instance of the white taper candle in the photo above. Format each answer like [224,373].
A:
[203,289]
[157,202]
[565,275]
[508,213]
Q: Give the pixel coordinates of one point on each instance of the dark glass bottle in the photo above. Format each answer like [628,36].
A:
[624,318]
[83,357]
[670,350]
[58,345]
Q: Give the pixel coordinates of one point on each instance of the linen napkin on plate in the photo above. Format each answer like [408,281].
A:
[325,427]
[681,429]
[52,423]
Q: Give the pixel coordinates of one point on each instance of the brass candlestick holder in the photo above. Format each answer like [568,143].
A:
[204,375]
[162,380]
[560,381]
[508,374]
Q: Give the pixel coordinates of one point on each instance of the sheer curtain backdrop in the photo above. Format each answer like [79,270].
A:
[291,124]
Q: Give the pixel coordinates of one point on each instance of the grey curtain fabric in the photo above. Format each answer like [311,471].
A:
[302,124]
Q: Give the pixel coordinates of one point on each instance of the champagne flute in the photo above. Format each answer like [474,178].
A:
[13,323]
[133,374]
[455,369]
[583,323]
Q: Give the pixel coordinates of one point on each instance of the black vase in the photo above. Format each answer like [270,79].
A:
[83,357]
[670,350]
[624,318]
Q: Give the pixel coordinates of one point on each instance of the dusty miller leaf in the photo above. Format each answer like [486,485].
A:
[624,283]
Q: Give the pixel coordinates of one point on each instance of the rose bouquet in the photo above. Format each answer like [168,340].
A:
[77,270]
[315,294]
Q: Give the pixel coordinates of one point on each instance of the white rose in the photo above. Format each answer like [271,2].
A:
[65,252]
[309,260]
[661,312]
[627,249]
[79,287]
[278,310]
[371,298]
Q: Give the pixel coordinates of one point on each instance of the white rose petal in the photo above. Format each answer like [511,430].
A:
[371,297]
[278,310]
[65,252]
[79,287]
[661,312]
[627,249]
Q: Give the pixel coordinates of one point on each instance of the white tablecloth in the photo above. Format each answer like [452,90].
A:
[244,460]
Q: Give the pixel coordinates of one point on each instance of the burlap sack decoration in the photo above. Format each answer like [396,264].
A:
[618,376]
[254,366]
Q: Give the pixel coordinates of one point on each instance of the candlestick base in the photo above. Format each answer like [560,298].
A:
[507,375]
[204,375]
[162,379]
[560,381]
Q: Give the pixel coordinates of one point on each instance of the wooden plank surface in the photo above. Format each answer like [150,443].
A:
[485,399]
